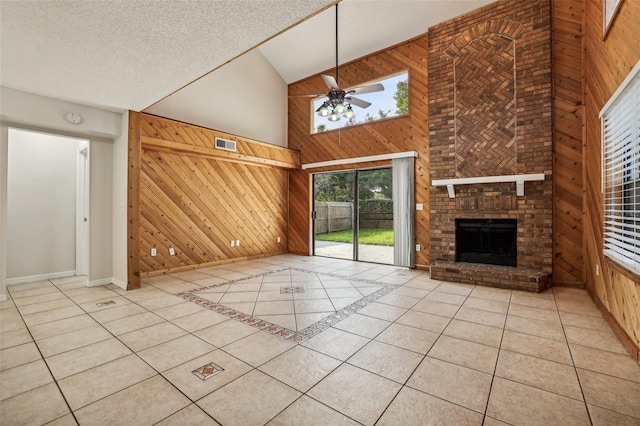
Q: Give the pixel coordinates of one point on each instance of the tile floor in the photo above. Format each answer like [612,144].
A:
[364,344]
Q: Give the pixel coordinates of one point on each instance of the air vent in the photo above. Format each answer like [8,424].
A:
[225,144]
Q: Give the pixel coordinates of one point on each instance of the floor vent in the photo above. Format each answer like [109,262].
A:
[225,144]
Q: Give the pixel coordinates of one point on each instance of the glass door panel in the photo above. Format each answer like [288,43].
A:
[334,214]
[375,216]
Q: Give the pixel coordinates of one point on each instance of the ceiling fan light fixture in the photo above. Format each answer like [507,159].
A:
[334,116]
[339,108]
[323,111]
[349,114]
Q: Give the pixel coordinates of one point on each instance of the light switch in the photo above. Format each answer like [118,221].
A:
[154,251]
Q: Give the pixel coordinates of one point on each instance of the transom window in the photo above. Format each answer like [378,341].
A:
[621,173]
[393,101]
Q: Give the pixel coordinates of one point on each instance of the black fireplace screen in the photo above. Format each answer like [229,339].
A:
[489,241]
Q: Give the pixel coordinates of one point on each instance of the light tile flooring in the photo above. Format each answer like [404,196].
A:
[368,344]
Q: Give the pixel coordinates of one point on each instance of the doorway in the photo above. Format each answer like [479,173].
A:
[82,209]
[353,215]
[47,189]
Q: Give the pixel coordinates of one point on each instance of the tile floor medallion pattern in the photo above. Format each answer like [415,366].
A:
[291,340]
[291,290]
[325,286]
[207,371]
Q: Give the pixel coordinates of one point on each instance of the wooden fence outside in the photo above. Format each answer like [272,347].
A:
[332,216]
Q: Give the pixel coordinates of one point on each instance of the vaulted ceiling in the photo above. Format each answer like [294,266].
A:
[129,54]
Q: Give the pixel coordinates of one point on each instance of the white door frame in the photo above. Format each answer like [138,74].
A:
[4,150]
[82,210]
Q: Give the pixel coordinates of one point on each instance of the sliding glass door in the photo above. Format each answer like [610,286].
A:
[375,216]
[353,215]
[334,214]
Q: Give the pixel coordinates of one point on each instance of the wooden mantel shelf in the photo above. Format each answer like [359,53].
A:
[518,179]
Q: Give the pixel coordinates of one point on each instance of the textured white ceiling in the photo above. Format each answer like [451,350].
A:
[365,27]
[129,54]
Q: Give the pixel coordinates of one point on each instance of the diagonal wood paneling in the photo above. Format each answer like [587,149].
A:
[197,200]
[567,142]
[408,133]
[608,60]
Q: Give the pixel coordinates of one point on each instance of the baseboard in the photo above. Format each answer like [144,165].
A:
[568,284]
[150,274]
[626,340]
[119,283]
[43,277]
[102,281]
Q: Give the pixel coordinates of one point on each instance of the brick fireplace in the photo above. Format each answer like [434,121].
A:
[490,124]
[487,241]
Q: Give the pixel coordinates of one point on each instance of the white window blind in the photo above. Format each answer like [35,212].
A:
[621,173]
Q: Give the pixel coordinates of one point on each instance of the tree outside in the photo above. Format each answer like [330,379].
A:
[373,184]
[402,97]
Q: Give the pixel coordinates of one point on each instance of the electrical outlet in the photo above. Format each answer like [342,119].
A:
[237,243]
[419,206]
[417,247]
[233,243]
[154,251]
[278,240]
[172,252]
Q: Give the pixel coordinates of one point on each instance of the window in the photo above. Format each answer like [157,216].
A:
[610,9]
[393,101]
[621,173]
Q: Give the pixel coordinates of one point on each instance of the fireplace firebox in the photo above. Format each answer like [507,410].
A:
[488,241]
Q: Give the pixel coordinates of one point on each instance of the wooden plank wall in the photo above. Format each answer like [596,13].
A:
[607,63]
[197,199]
[567,142]
[407,133]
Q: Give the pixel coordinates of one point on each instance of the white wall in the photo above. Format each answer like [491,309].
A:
[4,148]
[41,204]
[245,97]
[120,172]
[100,212]
[31,112]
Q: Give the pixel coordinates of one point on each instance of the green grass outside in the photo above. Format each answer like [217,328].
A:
[375,237]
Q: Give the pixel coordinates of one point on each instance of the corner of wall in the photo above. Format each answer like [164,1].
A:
[119,219]
[4,144]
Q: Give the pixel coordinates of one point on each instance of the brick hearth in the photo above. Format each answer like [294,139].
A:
[491,276]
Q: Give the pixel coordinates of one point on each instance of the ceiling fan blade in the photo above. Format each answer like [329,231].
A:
[308,96]
[330,81]
[377,87]
[357,102]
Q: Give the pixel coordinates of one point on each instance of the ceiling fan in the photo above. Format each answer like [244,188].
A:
[340,101]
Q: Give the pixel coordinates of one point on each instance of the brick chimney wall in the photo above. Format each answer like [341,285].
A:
[490,114]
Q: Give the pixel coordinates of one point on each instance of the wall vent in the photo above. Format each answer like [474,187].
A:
[225,144]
